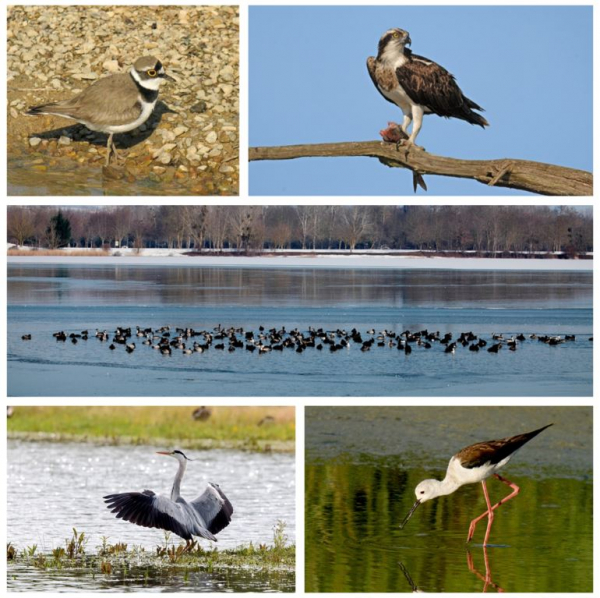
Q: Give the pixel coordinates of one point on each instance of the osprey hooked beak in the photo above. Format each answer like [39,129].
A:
[410,513]
[407,41]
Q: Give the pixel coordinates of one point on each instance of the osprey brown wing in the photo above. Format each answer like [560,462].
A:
[432,86]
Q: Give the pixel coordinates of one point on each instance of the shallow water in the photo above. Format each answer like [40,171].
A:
[25,178]
[147,579]
[45,299]
[69,178]
[362,465]
[55,487]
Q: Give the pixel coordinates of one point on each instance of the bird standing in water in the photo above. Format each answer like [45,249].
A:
[475,463]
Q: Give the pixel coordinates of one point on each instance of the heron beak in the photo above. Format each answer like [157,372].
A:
[410,513]
[163,453]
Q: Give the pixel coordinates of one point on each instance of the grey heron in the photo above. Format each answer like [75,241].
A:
[205,516]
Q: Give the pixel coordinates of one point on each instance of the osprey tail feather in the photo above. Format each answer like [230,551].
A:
[472,117]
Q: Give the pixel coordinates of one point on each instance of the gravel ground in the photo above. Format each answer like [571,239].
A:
[192,138]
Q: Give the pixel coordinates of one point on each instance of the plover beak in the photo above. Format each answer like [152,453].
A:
[167,77]
[410,513]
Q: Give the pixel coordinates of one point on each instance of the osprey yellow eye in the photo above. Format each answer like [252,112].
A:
[395,35]
[151,73]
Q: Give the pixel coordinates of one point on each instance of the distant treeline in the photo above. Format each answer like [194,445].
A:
[484,229]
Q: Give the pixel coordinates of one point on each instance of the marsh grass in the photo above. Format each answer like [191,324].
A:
[235,427]
[117,558]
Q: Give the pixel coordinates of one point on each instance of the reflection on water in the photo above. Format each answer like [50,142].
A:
[149,579]
[356,498]
[27,177]
[43,300]
[148,285]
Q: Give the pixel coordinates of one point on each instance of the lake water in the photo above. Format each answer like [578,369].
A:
[362,465]
[46,299]
[55,487]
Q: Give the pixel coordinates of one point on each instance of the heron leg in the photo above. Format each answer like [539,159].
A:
[490,510]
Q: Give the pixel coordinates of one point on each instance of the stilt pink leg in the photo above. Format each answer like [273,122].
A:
[491,509]
[487,579]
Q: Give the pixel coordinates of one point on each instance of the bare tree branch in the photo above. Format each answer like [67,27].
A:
[536,177]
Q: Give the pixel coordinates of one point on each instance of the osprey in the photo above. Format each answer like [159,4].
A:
[417,85]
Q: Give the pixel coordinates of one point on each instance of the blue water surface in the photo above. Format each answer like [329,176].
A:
[43,300]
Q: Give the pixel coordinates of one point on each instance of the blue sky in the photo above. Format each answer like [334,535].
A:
[529,67]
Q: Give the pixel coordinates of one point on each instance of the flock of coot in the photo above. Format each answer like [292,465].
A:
[188,341]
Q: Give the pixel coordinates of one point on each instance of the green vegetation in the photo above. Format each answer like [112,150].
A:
[118,559]
[353,512]
[58,232]
[248,428]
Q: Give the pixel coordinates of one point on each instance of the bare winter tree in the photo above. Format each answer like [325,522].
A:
[20,224]
[122,220]
[356,223]
[304,219]
[485,229]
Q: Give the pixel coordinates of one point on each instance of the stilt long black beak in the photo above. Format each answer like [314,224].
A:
[410,513]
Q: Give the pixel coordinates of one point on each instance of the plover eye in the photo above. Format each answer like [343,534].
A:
[151,73]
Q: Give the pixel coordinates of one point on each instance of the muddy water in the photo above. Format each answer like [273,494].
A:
[41,177]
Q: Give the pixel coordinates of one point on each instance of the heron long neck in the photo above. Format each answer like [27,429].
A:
[176,491]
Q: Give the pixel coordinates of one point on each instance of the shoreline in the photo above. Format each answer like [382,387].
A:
[318,261]
[201,444]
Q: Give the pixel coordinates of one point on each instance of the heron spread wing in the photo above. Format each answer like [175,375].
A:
[214,508]
[149,510]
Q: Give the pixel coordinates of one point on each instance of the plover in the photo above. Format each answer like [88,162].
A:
[114,104]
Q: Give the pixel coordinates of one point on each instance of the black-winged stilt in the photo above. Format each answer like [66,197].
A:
[475,463]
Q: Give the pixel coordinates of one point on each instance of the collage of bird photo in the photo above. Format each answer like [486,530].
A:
[299,297]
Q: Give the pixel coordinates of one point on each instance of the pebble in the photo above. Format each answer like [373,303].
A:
[84,76]
[199,107]
[112,66]
[180,131]
[55,52]
[165,148]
